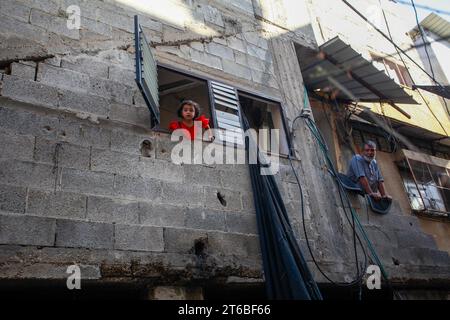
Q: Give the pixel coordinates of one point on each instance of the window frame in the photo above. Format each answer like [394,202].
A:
[239,90]
[183,73]
[282,114]
[398,68]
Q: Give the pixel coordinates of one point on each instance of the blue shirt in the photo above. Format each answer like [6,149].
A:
[361,168]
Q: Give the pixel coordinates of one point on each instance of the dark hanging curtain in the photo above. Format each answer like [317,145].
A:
[286,273]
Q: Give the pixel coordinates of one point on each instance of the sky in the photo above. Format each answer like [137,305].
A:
[442,5]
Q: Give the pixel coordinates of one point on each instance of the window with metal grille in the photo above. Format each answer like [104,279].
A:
[427,186]
[361,136]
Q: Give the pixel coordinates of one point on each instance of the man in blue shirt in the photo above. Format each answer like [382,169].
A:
[364,171]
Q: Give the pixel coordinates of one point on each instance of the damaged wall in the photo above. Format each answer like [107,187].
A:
[78,184]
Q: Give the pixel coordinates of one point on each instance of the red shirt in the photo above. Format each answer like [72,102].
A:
[190,132]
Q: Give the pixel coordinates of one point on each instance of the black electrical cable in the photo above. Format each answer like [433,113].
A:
[409,73]
[348,201]
[424,41]
[419,27]
[390,40]
[359,276]
[395,293]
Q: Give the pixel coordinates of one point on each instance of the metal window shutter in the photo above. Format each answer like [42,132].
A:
[146,73]
[227,112]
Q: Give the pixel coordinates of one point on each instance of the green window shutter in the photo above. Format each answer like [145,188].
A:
[146,73]
[227,112]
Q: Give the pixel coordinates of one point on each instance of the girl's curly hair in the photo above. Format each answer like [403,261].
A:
[191,103]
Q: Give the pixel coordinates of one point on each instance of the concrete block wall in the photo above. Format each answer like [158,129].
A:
[77,184]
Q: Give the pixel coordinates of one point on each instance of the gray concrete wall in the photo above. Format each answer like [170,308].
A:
[76,188]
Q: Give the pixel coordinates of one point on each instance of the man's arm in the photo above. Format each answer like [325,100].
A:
[383,190]
[365,184]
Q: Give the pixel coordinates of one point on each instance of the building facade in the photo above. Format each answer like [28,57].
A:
[87,180]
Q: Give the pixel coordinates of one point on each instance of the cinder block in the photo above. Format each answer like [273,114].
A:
[160,169]
[164,147]
[86,64]
[50,6]
[115,162]
[219,50]
[161,215]
[131,142]
[237,44]
[139,238]
[84,234]
[245,6]
[76,101]
[87,7]
[205,219]
[83,133]
[15,146]
[183,240]
[136,115]
[121,75]
[23,71]
[112,90]
[87,182]
[137,188]
[115,19]
[29,91]
[206,59]
[213,15]
[182,194]
[53,24]
[201,175]
[237,70]
[97,27]
[151,24]
[30,33]
[260,65]
[231,180]
[112,210]
[241,223]
[12,198]
[26,230]
[231,244]
[259,53]
[264,79]
[27,123]
[255,39]
[15,9]
[240,58]
[27,174]
[65,154]
[63,78]
[56,204]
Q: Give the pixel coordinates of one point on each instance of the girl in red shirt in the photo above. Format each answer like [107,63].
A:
[189,112]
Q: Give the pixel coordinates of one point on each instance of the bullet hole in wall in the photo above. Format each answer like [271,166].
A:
[221,198]
[146,148]
[395,261]
[200,246]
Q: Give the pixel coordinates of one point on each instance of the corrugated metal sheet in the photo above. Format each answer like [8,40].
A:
[436,24]
[340,69]
[443,91]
